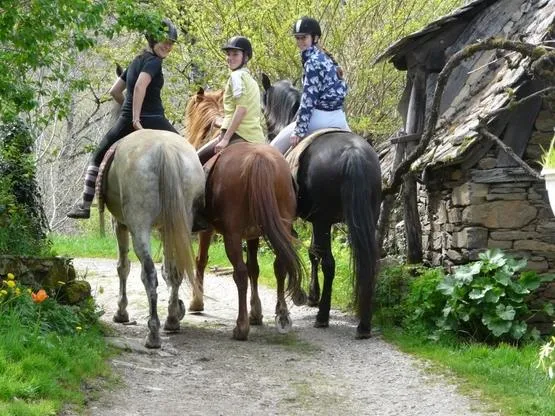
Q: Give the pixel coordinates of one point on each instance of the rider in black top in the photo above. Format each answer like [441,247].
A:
[141,107]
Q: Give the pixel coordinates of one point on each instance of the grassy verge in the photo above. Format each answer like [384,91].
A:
[48,352]
[504,377]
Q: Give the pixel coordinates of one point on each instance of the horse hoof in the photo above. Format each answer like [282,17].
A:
[196,307]
[152,341]
[299,298]
[312,302]
[240,335]
[363,334]
[121,318]
[283,324]
[181,310]
[255,320]
[171,325]
[320,324]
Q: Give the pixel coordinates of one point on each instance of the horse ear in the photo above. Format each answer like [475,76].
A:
[266,83]
[119,70]
[200,94]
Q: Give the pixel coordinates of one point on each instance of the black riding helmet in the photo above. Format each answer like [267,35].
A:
[168,28]
[239,43]
[307,26]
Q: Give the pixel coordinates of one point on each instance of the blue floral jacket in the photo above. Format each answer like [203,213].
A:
[322,88]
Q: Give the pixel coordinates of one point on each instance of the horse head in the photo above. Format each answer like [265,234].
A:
[281,102]
[203,116]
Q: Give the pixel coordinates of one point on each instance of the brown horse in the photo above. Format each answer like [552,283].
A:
[249,194]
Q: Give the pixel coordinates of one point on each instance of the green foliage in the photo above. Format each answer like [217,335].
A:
[391,290]
[423,302]
[22,221]
[548,156]
[486,299]
[46,351]
[40,40]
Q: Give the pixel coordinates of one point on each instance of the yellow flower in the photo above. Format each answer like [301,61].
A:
[11,276]
[78,328]
[17,291]
[3,292]
[10,283]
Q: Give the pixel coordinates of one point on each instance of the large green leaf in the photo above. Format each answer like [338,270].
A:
[530,280]
[506,313]
[518,329]
[497,326]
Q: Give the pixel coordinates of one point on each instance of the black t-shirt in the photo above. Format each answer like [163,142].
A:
[152,104]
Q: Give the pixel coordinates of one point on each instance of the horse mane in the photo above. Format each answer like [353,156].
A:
[203,109]
[281,102]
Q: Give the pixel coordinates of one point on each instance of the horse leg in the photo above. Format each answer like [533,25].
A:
[240,275]
[255,314]
[321,239]
[176,307]
[141,243]
[283,321]
[314,287]
[204,239]
[123,267]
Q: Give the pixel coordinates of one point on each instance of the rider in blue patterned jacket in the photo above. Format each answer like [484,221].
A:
[324,88]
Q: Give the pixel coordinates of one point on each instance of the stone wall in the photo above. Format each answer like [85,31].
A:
[54,274]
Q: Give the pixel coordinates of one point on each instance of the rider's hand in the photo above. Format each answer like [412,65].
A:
[294,140]
[222,144]
[137,125]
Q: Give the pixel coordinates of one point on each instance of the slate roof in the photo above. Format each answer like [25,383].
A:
[485,90]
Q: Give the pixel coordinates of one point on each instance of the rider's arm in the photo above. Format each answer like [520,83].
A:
[312,86]
[139,91]
[116,91]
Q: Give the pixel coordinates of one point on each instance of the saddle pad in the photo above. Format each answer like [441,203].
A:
[101,179]
[293,155]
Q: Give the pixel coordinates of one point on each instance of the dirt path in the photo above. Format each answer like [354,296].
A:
[202,371]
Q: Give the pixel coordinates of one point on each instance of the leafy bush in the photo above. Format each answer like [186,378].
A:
[41,313]
[486,299]
[23,224]
[391,291]
[423,303]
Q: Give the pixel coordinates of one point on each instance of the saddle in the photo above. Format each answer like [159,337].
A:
[293,155]
[101,178]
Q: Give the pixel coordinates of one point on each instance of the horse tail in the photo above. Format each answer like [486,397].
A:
[175,211]
[261,172]
[360,197]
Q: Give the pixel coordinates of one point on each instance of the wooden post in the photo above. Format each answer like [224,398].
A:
[414,124]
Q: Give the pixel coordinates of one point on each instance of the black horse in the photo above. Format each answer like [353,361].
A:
[339,180]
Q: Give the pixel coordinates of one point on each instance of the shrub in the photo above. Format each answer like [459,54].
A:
[23,224]
[486,299]
[423,303]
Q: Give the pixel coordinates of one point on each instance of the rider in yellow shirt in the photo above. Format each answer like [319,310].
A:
[242,107]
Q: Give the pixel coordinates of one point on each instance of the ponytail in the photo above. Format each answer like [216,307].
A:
[340,72]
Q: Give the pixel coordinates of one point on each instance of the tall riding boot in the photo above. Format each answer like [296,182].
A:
[82,210]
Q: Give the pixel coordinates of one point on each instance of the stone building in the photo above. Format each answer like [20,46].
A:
[470,193]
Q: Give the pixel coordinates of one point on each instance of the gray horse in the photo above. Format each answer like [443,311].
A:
[155,181]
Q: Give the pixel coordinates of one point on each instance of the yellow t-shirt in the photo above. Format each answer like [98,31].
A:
[242,90]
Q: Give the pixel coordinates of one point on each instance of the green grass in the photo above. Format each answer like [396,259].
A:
[504,377]
[47,353]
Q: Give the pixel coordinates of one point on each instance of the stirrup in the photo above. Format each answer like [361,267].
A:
[78,212]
